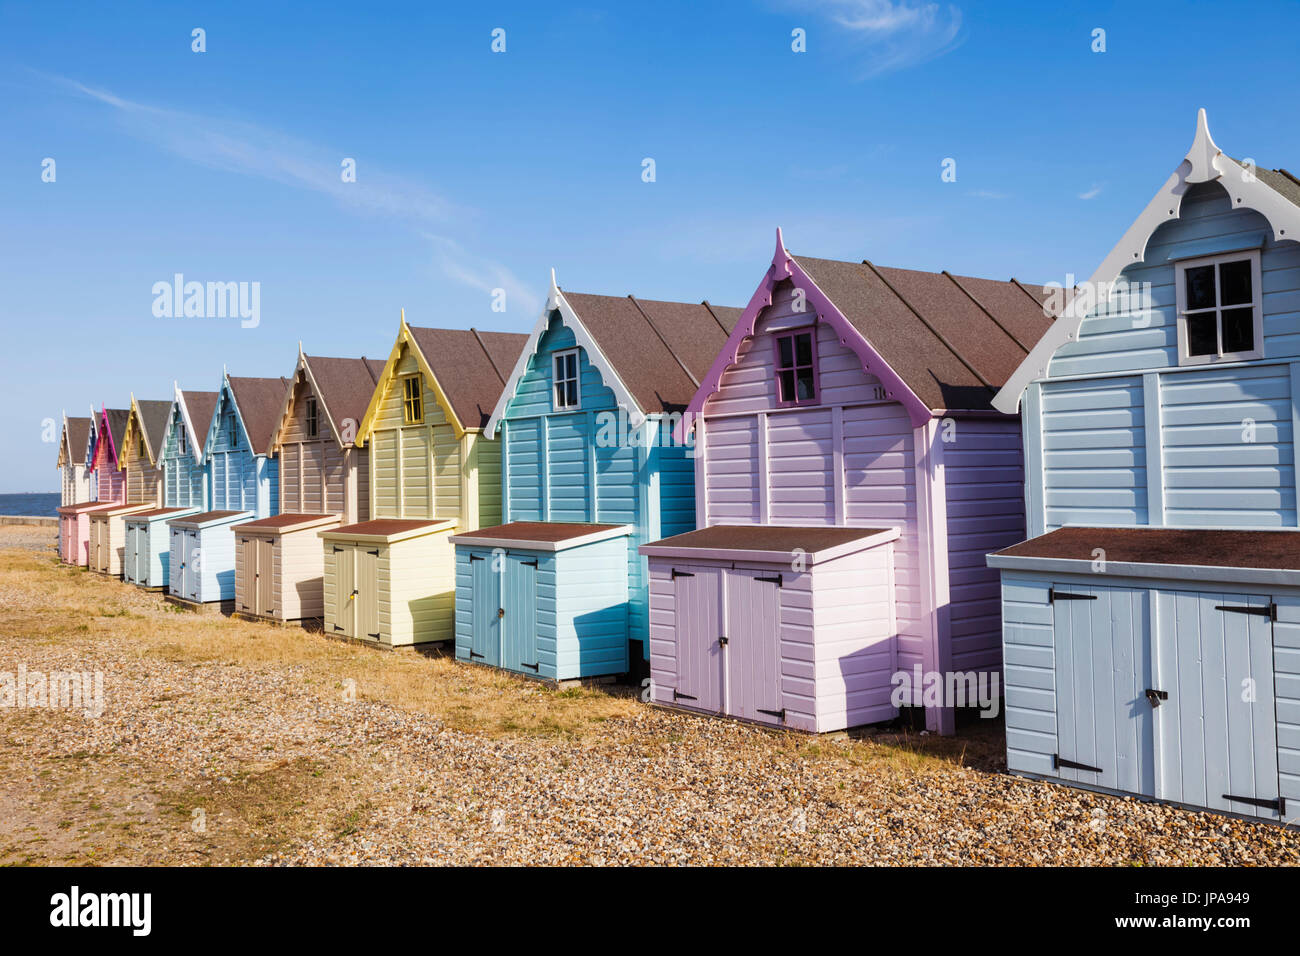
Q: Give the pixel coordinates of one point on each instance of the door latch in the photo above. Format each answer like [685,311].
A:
[1156,696]
[722,639]
[501,612]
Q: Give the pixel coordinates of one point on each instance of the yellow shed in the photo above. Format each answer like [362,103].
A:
[391,579]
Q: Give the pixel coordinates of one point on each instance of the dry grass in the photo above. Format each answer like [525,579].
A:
[42,601]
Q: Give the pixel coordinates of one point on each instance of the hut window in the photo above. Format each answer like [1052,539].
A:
[140,447]
[566,380]
[412,401]
[796,368]
[313,425]
[234,432]
[180,440]
[1220,314]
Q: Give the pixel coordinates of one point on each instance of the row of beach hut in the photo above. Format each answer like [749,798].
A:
[864,472]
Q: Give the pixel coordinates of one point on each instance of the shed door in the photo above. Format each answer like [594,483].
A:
[100,529]
[265,575]
[345,577]
[143,555]
[519,601]
[1103,669]
[65,539]
[485,610]
[131,554]
[177,572]
[1216,734]
[193,564]
[753,648]
[698,623]
[367,586]
[247,592]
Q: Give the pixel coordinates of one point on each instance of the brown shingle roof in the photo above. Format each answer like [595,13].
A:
[259,401]
[153,419]
[659,349]
[1270,550]
[542,532]
[200,405]
[75,435]
[953,339]
[767,537]
[471,367]
[117,419]
[344,385]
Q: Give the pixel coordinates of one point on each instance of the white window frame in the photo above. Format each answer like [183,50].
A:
[556,358]
[1257,305]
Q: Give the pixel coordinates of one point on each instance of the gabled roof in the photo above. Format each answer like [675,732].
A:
[113,428]
[938,342]
[153,417]
[465,368]
[197,409]
[1275,194]
[92,438]
[258,402]
[343,386]
[649,352]
[76,433]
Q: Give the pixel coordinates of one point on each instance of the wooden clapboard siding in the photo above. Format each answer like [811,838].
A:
[1029,673]
[984,477]
[1286,686]
[183,477]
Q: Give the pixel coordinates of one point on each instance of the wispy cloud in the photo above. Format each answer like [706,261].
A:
[891,34]
[250,149]
[987,194]
[1092,193]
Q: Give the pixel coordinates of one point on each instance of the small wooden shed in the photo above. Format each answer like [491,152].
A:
[544,599]
[772,624]
[392,579]
[1151,623]
[244,485]
[141,461]
[75,478]
[322,469]
[851,395]
[103,549]
[279,567]
[184,489]
[581,424]
[74,531]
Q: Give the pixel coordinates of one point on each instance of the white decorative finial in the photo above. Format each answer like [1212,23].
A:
[781,258]
[1204,154]
[553,294]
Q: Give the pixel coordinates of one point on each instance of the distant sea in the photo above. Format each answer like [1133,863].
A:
[40,504]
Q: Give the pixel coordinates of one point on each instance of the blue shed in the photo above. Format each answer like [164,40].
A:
[585,424]
[147,557]
[242,482]
[1151,623]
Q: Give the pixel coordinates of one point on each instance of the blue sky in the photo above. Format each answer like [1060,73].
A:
[479,170]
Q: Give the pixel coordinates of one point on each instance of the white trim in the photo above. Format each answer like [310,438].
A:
[556,302]
[524,544]
[1256,304]
[1204,162]
[577,380]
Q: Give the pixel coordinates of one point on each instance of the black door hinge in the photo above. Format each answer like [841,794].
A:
[474,654]
[375,635]
[1055,595]
[529,564]
[337,628]
[683,574]
[677,695]
[476,557]
[776,580]
[1279,804]
[531,667]
[1269,611]
[374,552]
[1156,696]
[1058,762]
[778,714]
[337,550]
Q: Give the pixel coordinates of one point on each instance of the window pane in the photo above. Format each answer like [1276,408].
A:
[786,380]
[1234,283]
[803,348]
[1238,330]
[571,365]
[559,394]
[806,390]
[786,351]
[572,394]
[1202,336]
[1200,287]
